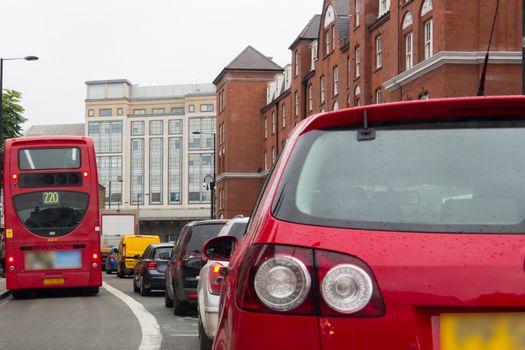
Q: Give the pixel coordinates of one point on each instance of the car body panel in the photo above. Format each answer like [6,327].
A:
[154,278]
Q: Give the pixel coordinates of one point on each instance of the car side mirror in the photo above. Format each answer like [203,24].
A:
[115,250]
[219,248]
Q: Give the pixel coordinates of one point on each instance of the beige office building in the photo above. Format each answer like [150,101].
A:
[149,160]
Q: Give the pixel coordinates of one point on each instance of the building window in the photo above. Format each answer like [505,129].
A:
[207,108]
[200,165]
[296,70]
[283,108]
[296,104]
[110,169]
[204,140]
[177,110]
[157,110]
[91,112]
[357,62]
[105,112]
[274,121]
[175,126]
[137,171]
[120,111]
[426,8]
[107,136]
[221,100]
[407,21]
[335,106]
[357,96]
[327,37]
[155,127]
[384,7]
[265,160]
[310,98]
[425,96]
[191,108]
[428,38]
[336,80]
[155,171]
[409,57]
[322,89]
[314,54]
[273,154]
[357,12]
[379,96]
[139,111]
[265,127]
[137,128]
[175,170]
[379,51]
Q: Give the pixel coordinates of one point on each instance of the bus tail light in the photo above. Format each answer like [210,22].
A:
[14,176]
[215,278]
[151,265]
[85,174]
[95,257]
[11,260]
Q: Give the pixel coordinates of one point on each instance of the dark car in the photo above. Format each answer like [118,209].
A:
[111,262]
[186,262]
[148,273]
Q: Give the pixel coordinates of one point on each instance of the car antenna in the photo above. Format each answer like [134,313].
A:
[366,133]
[481,87]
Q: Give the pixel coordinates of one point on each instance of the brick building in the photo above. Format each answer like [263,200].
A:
[357,52]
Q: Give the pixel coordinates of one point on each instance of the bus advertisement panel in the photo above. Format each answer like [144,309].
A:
[52,231]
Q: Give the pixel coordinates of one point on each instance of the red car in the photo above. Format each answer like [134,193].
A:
[392,226]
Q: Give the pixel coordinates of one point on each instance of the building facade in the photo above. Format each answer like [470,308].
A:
[359,52]
[154,148]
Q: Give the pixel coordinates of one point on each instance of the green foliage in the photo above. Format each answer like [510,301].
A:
[12,115]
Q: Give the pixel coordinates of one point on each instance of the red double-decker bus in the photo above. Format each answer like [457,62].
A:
[52,232]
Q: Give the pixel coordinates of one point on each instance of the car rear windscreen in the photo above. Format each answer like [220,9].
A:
[454,177]
[200,234]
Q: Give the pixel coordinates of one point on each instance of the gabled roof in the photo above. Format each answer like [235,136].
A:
[310,32]
[250,60]
[342,17]
[56,130]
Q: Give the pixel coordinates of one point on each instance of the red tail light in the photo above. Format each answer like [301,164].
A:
[152,265]
[85,173]
[124,250]
[215,278]
[302,281]
[11,259]
[112,258]
[95,256]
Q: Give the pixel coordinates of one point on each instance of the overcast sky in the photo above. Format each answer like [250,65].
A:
[148,42]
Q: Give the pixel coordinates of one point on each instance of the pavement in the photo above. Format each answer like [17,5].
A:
[3,291]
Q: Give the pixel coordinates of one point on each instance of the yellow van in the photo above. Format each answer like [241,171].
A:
[130,248]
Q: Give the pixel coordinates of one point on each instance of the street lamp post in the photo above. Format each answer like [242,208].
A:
[212,182]
[27,58]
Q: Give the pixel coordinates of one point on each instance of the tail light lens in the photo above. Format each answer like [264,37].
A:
[302,281]
[11,260]
[124,250]
[215,278]
[151,265]
[112,258]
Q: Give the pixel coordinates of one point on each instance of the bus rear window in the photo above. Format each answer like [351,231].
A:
[51,213]
[49,158]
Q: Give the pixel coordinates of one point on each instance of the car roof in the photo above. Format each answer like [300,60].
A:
[162,245]
[207,222]
[226,229]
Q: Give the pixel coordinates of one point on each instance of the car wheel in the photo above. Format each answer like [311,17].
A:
[143,290]
[168,302]
[179,307]
[136,288]
[108,271]
[120,272]
[205,342]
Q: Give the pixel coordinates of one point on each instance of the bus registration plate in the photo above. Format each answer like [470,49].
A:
[482,331]
[52,281]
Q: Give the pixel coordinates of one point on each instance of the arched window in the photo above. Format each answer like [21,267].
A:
[426,8]
[336,106]
[407,21]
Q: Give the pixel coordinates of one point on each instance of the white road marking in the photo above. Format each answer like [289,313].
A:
[151,336]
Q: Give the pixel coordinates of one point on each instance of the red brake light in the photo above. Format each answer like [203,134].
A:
[151,265]
[85,174]
[215,279]
[14,176]
[124,250]
[11,259]
[95,256]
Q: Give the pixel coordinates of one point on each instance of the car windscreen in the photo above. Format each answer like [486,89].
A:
[200,234]
[453,177]
[238,229]
[162,253]
[49,158]
[51,213]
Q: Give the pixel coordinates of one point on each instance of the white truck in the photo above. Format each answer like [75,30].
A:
[113,227]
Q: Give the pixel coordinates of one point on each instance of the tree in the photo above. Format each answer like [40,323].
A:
[12,118]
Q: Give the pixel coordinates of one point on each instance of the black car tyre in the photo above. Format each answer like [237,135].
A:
[168,302]
[142,288]
[120,272]
[136,288]
[205,342]
[179,307]
[108,271]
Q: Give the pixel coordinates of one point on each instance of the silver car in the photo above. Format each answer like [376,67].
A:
[209,287]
